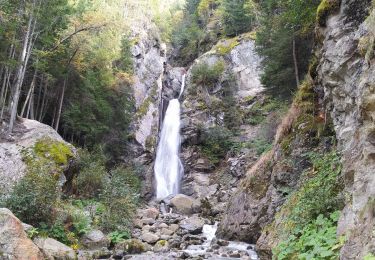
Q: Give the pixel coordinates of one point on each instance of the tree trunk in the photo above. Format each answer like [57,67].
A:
[295,62]
[21,72]
[28,97]
[60,104]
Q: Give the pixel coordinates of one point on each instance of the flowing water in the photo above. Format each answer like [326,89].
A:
[168,167]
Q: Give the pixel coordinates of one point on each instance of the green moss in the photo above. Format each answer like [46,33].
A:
[162,242]
[325,9]
[48,148]
[225,47]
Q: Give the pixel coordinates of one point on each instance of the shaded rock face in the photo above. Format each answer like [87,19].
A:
[12,167]
[348,77]
[14,243]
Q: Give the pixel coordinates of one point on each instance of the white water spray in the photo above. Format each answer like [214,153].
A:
[168,167]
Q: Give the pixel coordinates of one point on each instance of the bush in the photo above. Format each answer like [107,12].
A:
[34,197]
[309,216]
[120,198]
[216,142]
[316,240]
[207,75]
[91,178]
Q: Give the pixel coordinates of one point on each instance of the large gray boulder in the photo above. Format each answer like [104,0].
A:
[54,250]
[184,204]
[193,225]
[12,165]
[95,239]
[14,243]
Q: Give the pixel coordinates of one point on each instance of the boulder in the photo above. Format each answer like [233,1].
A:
[14,243]
[152,213]
[131,246]
[193,225]
[166,231]
[161,246]
[53,249]
[149,237]
[95,239]
[184,204]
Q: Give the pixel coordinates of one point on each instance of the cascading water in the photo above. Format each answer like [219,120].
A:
[168,167]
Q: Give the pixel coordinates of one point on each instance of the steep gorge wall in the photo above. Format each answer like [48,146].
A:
[347,73]
[342,85]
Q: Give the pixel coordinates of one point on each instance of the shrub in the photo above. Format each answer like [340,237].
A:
[316,240]
[91,178]
[207,75]
[308,219]
[119,198]
[216,142]
[34,197]
[325,9]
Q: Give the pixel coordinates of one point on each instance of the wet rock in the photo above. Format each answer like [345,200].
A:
[95,239]
[184,204]
[14,243]
[150,238]
[53,249]
[193,225]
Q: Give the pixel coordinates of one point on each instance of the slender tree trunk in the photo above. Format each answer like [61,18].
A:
[295,62]
[60,104]
[28,97]
[39,97]
[21,72]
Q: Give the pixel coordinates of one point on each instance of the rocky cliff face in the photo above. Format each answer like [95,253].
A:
[347,73]
[343,85]
[205,107]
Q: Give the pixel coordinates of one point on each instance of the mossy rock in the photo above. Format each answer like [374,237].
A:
[325,9]
[132,246]
[48,148]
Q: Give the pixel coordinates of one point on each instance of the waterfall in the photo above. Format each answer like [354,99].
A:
[168,167]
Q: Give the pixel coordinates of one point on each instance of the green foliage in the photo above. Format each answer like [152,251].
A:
[120,198]
[216,142]
[32,233]
[91,178]
[126,61]
[308,218]
[259,111]
[281,23]
[236,17]
[207,75]
[118,236]
[325,9]
[34,197]
[369,256]
[317,240]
